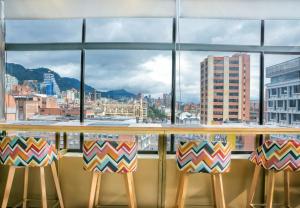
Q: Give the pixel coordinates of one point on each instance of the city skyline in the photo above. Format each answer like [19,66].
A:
[149,63]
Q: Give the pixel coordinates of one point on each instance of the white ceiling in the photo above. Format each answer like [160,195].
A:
[243,9]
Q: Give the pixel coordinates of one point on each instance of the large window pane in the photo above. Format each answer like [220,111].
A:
[219,31]
[128,87]
[282,98]
[43,85]
[129,30]
[282,32]
[43,88]
[41,31]
[218,89]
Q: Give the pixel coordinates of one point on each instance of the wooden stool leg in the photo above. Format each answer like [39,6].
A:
[9,181]
[253,186]
[98,189]
[57,185]
[271,183]
[179,187]
[130,190]
[287,188]
[182,189]
[215,191]
[93,189]
[25,192]
[221,191]
[43,187]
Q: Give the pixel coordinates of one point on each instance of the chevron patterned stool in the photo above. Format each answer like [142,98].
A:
[19,152]
[275,156]
[203,157]
[110,157]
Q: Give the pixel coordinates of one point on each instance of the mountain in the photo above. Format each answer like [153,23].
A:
[64,83]
[118,94]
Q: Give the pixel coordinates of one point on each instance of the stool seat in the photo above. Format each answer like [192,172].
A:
[110,156]
[203,157]
[278,155]
[27,152]
[275,156]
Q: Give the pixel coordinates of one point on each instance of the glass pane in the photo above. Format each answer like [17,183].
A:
[42,85]
[282,32]
[217,31]
[129,30]
[218,89]
[41,31]
[128,87]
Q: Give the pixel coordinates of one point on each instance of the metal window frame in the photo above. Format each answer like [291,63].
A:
[173,47]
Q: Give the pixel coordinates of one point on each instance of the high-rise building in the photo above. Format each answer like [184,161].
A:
[283,93]
[50,84]
[225,89]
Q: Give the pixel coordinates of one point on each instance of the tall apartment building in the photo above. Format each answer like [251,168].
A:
[51,86]
[283,93]
[225,89]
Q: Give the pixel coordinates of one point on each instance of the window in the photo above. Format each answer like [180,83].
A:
[233,87]
[220,31]
[292,103]
[283,116]
[208,85]
[282,32]
[297,89]
[233,94]
[233,75]
[43,31]
[280,103]
[219,61]
[43,87]
[129,30]
[273,91]
[296,117]
[233,100]
[284,90]
[128,87]
[233,81]
[234,68]
[281,72]
[218,81]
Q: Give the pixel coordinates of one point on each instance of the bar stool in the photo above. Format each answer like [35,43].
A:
[275,156]
[110,157]
[203,157]
[19,152]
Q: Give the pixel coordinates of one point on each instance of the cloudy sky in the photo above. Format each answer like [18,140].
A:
[148,72]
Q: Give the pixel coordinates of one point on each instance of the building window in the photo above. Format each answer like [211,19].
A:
[233,81]
[297,89]
[292,103]
[233,94]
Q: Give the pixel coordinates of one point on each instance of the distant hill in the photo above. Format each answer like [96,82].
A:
[64,83]
[118,94]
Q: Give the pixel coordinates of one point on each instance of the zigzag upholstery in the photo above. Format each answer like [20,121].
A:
[27,152]
[204,157]
[110,156]
[278,155]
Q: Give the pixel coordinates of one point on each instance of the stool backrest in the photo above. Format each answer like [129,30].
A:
[203,156]
[26,152]
[278,155]
[110,156]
